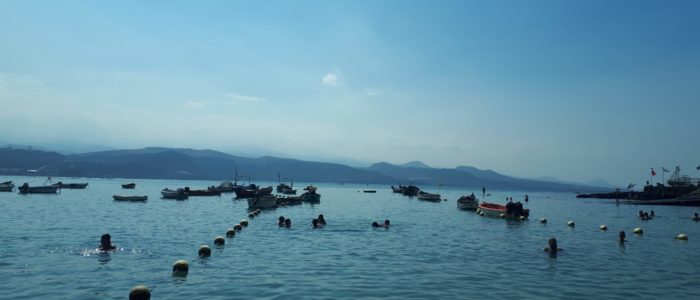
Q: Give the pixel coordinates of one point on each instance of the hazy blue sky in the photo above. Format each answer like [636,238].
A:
[572,89]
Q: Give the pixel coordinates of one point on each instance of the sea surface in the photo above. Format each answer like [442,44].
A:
[432,250]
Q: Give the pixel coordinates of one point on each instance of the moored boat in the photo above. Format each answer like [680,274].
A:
[295,200]
[47,189]
[129,198]
[179,194]
[262,202]
[398,189]
[502,211]
[369,191]
[128,185]
[310,195]
[428,196]
[6,186]
[210,191]
[76,186]
[252,191]
[410,190]
[468,202]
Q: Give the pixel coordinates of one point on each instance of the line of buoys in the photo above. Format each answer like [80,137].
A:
[570,224]
[682,237]
[543,220]
[237,227]
[181,268]
[251,215]
[603,227]
[638,231]
[219,241]
[204,251]
[140,292]
[230,233]
[244,223]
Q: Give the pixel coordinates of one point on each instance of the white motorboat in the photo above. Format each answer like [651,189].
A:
[6,186]
[262,202]
[428,196]
[468,202]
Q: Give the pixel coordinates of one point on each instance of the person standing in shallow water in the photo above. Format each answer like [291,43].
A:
[553,247]
[622,236]
[106,243]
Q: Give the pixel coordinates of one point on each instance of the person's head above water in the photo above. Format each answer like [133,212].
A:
[288,223]
[321,219]
[387,223]
[375,224]
[280,220]
[553,247]
[622,236]
[106,242]
[314,222]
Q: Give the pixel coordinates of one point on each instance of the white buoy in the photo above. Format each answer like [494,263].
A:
[204,251]
[481,213]
[237,227]
[502,216]
[180,268]
[570,224]
[603,227]
[219,241]
[230,233]
[140,292]
[543,221]
[638,231]
[244,223]
[682,237]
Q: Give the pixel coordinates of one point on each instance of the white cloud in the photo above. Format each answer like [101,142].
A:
[246,98]
[195,104]
[331,79]
[372,92]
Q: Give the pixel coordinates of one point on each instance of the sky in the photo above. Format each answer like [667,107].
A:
[577,90]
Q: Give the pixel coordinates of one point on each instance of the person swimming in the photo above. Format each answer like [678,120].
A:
[553,248]
[280,221]
[622,236]
[652,214]
[314,222]
[641,215]
[106,243]
[321,220]
[386,223]
[696,217]
[375,224]
[288,223]
[646,216]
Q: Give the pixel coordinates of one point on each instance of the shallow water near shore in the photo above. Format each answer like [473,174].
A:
[431,250]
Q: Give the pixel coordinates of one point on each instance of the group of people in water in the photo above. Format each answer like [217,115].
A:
[646,216]
[386,224]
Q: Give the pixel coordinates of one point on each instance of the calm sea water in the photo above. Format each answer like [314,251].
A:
[432,250]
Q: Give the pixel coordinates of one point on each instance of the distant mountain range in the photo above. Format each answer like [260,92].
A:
[179,163]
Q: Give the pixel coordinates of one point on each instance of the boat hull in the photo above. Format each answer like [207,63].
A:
[262,202]
[467,203]
[130,198]
[50,189]
[6,187]
[176,195]
[128,185]
[499,211]
[71,186]
[311,197]
[429,197]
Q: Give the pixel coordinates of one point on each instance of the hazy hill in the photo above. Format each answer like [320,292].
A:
[180,163]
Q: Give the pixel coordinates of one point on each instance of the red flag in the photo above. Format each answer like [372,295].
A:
[653,173]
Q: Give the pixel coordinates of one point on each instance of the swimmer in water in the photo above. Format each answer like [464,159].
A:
[696,217]
[106,243]
[288,223]
[280,221]
[315,223]
[386,223]
[553,248]
[321,220]
[622,236]
[375,224]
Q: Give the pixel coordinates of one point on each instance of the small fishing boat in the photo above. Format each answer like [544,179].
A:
[210,191]
[46,189]
[288,191]
[501,211]
[128,185]
[398,189]
[428,196]
[253,191]
[179,194]
[229,187]
[262,202]
[468,202]
[282,186]
[310,195]
[6,186]
[75,186]
[296,200]
[129,198]
[410,191]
